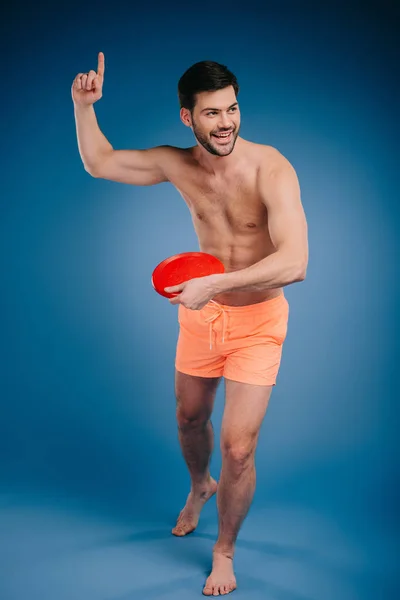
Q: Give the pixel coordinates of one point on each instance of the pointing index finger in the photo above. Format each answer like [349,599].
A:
[100,65]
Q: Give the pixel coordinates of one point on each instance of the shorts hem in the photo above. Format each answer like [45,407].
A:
[251,382]
[196,373]
[248,380]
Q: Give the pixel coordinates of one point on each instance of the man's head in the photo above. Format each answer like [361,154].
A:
[208,98]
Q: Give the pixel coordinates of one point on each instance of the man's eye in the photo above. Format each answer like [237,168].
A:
[212,113]
[233,109]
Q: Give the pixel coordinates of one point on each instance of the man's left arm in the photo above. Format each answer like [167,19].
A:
[280,192]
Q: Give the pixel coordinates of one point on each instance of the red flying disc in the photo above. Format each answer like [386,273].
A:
[182,267]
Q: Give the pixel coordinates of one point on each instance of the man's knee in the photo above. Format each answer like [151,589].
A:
[239,451]
[188,418]
[194,400]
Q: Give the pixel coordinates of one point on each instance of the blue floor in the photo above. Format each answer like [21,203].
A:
[52,549]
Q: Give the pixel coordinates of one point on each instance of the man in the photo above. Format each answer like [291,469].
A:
[246,208]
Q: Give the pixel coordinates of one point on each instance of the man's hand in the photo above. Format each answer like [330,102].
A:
[195,293]
[87,88]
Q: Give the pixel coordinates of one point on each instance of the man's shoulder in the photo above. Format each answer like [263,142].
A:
[175,153]
[176,149]
[270,160]
[271,165]
[269,154]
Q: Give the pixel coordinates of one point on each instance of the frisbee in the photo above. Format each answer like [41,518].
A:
[182,267]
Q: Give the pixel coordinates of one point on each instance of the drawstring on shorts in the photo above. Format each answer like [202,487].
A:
[211,319]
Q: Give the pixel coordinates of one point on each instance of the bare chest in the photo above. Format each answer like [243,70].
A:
[231,204]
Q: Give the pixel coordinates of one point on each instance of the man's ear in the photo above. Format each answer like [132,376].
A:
[186,117]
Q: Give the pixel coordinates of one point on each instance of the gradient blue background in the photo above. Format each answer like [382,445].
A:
[91,473]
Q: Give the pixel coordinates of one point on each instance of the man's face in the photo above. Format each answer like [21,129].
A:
[215,121]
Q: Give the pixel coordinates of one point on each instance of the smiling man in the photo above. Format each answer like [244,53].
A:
[245,203]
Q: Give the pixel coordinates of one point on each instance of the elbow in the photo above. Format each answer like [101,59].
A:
[301,276]
[295,265]
[296,270]
[300,272]
[91,170]
[300,264]
[97,167]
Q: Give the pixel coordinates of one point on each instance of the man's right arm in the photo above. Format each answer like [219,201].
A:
[137,167]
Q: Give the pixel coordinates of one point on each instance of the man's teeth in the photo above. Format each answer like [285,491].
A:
[223,134]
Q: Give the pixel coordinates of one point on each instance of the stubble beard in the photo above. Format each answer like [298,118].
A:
[205,141]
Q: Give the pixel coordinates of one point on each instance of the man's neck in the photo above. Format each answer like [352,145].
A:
[218,165]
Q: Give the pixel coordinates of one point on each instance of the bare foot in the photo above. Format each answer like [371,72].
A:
[189,515]
[222,579]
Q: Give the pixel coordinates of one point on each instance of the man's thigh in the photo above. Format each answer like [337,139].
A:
[245,408]
[195,395]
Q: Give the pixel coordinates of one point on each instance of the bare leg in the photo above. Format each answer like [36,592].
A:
[244,412]
[195,401]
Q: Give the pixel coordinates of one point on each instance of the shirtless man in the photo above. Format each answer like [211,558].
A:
[245,204]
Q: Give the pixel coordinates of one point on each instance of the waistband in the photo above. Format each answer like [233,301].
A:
[247,308]
[218,310]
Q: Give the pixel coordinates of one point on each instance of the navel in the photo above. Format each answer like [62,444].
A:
[251,225]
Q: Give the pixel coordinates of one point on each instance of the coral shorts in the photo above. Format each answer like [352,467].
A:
[242,343]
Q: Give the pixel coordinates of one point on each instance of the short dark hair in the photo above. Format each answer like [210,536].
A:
[205,76]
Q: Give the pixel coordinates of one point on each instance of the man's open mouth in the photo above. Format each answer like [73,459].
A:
[224,136]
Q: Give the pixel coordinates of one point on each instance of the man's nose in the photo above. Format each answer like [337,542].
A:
[224,121]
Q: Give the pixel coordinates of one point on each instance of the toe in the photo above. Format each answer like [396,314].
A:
[182,529]
[208,589]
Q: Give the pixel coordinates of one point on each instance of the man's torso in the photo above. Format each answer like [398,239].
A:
[228,214]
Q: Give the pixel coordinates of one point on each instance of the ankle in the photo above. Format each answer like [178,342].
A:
[202,485]
[224,549]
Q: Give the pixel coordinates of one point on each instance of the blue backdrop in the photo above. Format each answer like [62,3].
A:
[88,436]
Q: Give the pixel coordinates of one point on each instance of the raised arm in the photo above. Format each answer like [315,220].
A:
[137,167]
